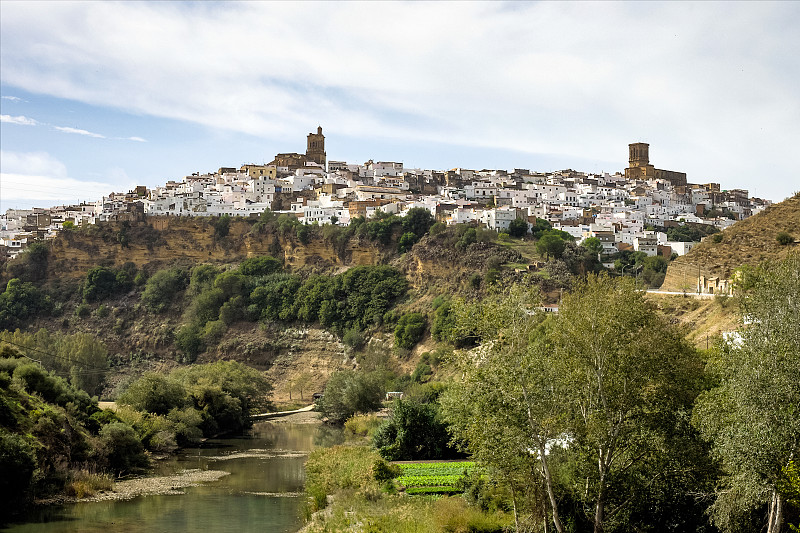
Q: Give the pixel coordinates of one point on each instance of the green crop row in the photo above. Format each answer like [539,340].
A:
[432,490]
[429,481]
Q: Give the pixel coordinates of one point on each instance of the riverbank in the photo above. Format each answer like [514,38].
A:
[146,486]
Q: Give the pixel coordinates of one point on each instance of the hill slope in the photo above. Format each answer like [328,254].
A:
[747,242]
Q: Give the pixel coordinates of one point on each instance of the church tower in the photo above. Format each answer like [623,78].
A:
[315,148]
[638,155]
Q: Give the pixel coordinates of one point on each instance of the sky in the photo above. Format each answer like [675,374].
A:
[103,96]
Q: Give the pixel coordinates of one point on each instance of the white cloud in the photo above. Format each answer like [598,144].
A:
[21,120]
[12,98]
[67,129]
[698,81]
[44,180]
[136,139]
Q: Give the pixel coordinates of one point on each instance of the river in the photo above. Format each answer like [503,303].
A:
[263,492]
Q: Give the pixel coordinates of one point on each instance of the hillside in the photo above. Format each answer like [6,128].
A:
[748,242]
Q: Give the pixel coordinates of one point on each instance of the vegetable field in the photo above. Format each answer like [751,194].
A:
[433,478]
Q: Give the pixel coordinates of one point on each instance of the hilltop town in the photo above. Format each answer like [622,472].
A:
[630,210]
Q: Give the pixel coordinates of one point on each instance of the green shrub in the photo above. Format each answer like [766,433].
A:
[784,238]
[409,330]
[353,338]
[154,393]
[260,266]
[329,470]
[518,227]
[383,471]
[100,284]
[190,341]
[20,301]
[121,448]
[406,242]
[17,465]
[162,287]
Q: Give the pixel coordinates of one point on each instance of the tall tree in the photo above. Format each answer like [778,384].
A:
[629,376]
[507,407]
[593,405]
[752,416]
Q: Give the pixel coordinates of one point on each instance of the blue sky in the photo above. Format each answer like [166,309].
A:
[104,96]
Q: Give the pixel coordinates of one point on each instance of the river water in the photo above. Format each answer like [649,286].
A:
[263,492]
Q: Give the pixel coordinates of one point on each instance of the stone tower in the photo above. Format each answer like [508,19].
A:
[638,155]
[315,149]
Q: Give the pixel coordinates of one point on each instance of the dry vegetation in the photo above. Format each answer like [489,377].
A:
[747,242]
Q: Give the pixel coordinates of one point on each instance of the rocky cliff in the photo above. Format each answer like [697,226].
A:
[161,241]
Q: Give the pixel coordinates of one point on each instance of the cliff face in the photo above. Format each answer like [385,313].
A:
[161,241]
[748,242]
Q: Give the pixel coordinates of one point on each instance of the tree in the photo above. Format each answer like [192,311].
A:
[752,415]
[260,266]
[518,227]
[161,288]
[221,226]
[154,393]
[551,245]
[597,393]
[100,283]
[418,221]
[349,392]
[20,301]
[407,240]
[507,403]
[629,376]
[593,245]
[414,431]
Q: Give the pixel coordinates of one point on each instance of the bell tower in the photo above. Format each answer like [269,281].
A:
[638,155]
[315,147]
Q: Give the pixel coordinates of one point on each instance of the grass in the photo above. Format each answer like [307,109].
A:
[84,484]
[362,425]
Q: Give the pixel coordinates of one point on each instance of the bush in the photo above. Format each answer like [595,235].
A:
[329,470]
[122,448]
[784,238]
[189,340]
[418,221]
[221,226]
[20,301]
[407,240]
[17,464]
[409,330]
[162,287]
[100,283]
[260,266]
[154,393]
[353,338]
[349,392]
[383,471]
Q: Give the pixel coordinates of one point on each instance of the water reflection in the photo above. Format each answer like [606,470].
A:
[263,492]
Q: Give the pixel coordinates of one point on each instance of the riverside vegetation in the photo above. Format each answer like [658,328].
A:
[602,417]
